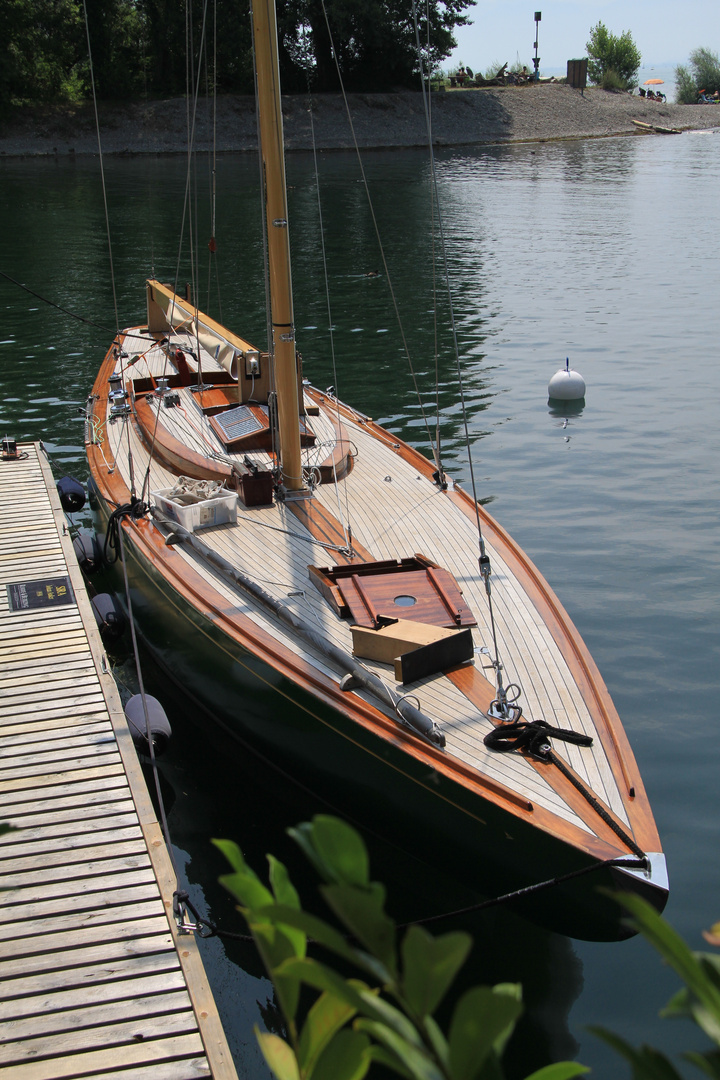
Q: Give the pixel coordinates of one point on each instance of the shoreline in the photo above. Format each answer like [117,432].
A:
[473,117]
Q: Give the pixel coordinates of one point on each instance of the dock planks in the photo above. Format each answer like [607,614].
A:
[95,980]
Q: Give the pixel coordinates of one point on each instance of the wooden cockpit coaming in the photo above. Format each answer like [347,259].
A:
[148,413]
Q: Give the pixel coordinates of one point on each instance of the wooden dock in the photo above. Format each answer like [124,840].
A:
[95,979]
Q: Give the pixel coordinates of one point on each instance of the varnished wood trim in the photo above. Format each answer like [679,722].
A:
[249,636]
[253,638]
[171,451]
[576,654]
[325,527]
[339,463]
[584,670]
[481,692]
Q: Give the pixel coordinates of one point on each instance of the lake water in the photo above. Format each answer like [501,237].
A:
[606,252]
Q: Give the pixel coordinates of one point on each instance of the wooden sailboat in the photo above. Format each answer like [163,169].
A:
[328,596]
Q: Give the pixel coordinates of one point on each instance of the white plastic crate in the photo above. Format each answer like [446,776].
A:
[196,513]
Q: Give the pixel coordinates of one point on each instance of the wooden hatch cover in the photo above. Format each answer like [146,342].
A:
[414,588]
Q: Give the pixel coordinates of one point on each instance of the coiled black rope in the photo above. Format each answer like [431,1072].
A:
[136,509]
[532,737]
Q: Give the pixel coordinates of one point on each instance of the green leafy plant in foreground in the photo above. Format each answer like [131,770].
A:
[386,1015]
[698,1000]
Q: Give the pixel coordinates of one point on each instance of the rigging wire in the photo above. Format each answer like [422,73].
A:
[376,227]
[58,307]
[212,161]
[191,116]
[507,711]
[191,120]
[344,517]
[102,168]
[438,442]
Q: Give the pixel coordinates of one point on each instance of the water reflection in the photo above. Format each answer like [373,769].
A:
[593,250]
[565,409]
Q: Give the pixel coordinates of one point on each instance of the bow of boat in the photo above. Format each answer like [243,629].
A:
[345,630]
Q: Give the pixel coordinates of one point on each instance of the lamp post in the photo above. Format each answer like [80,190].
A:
[536,61]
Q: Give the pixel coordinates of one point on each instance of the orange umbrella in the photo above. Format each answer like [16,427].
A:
[653,82]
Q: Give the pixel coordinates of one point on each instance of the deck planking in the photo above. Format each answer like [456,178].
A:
[389,505]
[95,979]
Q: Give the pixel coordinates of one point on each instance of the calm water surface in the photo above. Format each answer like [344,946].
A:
[604,251]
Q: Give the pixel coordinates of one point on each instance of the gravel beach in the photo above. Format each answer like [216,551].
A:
[543,112]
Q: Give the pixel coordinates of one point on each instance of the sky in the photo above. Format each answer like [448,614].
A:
[665,31]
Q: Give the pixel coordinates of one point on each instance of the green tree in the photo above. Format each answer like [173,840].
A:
[142,45]
[374,41]
[613,62]
[703,74]
[39,47]
[117,30]
[385,1016]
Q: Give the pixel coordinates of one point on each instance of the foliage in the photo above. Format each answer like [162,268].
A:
[140,46]
[685,86]
[491,71]
[387,1015]
[610,80]
[374,41]
[703,74]
[607,52]
[699,1000]
[174,32]
[38,48]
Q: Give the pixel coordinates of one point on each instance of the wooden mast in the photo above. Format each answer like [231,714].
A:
[282,345]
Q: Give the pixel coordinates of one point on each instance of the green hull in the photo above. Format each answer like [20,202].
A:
[372,780]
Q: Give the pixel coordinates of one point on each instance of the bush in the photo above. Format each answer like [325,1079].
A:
[491,71]
[612,81]
[703,74]
[386,1015]
[608,53]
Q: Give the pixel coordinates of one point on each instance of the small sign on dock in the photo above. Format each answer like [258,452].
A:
[30,595]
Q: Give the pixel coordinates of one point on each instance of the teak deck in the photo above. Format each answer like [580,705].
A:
[391,511]
[95,980]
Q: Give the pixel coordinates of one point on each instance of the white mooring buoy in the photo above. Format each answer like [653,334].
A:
[566,384]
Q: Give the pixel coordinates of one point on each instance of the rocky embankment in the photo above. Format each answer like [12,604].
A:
[466,117]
